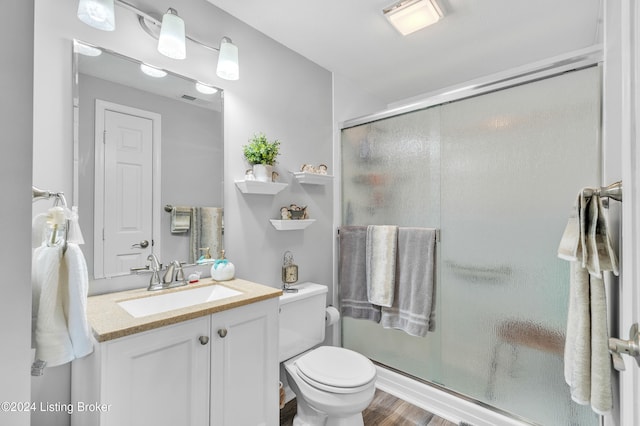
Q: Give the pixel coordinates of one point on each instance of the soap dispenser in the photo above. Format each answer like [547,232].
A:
[222,269]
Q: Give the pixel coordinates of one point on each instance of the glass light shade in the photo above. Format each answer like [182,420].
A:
[228,67]
[152,71]
[172,41]
[411,16]
[205,88]
[99,14]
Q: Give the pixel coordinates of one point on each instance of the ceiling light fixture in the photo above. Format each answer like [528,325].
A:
[173,44]
[205,88]
[152,71]
[409,16]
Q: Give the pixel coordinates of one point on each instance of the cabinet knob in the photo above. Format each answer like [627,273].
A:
[203,340]
[222,332]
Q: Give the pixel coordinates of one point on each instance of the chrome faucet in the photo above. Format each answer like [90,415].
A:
[154,283]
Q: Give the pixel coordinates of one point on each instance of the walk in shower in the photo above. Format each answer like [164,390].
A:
[498,175]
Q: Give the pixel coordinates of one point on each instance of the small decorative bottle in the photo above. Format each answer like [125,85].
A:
[222,269]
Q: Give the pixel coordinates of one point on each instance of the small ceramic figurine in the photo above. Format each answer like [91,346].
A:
[284,213]
[248,175]
[274,176]
[308,168]
[322,169]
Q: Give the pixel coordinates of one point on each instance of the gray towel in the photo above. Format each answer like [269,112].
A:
[587,367]
[413,308]
[206,231]
[382,241]
[180,219]
[352,275]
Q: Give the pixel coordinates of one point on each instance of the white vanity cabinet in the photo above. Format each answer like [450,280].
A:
[216,370]
[244,366]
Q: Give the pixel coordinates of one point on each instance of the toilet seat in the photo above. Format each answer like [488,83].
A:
[336,370]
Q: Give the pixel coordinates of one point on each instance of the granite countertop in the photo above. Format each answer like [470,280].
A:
[110,321]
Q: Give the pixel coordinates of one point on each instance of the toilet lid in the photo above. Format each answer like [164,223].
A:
[335,367]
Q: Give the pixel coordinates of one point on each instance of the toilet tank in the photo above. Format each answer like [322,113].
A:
[302,319]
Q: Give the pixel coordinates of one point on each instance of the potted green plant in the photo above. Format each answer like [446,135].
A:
[261,154]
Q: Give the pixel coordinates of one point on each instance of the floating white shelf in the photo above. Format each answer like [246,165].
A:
[291,225]
[312,178]
[258,187]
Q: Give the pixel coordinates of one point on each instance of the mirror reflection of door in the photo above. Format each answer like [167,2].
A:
[125,144]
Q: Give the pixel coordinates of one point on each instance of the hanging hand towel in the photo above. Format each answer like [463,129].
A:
[587,368]
[53,344]
[381,247]
[180,219]
[74,280]
[352,278]
[413,305]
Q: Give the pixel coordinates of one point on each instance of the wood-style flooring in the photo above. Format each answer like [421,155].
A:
[385,410]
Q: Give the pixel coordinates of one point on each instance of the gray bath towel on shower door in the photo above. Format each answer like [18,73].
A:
[413,307]
[354,301]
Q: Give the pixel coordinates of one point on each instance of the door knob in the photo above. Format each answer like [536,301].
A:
[222,332]
[203,340]
[629,347]
[142,244]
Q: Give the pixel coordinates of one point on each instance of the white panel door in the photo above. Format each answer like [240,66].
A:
[128,191]
[127,188]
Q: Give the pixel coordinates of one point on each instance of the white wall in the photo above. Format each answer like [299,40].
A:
[279,93]
[16,116]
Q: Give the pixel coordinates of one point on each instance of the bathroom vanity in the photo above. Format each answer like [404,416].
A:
[211,363]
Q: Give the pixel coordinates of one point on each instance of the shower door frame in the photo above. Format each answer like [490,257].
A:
[629,389]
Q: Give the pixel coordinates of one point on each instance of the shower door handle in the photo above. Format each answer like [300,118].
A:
[630,347]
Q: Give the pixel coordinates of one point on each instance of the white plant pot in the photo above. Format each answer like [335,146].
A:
[262,172]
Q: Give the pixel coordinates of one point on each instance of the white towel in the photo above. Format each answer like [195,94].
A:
[381,247]
[60,286]
[180,219]
[587,368]
[74,280]
[413,306]
[53,344]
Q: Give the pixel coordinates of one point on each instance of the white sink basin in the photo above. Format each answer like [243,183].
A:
[180,299]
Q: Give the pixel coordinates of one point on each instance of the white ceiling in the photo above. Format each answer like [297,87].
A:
[475,38]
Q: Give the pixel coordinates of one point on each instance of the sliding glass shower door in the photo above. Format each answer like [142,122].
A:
[497,174]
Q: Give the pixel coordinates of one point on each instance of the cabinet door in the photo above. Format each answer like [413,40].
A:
[244,363]
[159,377]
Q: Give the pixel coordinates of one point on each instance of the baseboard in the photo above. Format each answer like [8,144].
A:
[440,403]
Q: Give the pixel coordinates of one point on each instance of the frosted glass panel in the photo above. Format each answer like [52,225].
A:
[391,176]
[498,175]
[512,164]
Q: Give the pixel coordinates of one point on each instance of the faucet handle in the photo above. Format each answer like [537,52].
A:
[179,271]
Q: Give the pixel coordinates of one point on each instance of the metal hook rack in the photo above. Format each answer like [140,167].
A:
[59,199]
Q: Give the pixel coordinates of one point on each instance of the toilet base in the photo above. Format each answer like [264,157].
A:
[307,416]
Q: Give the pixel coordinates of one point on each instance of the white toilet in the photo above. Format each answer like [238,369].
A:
[333,385]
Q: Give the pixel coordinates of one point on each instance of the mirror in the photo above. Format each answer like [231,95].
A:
[148,163]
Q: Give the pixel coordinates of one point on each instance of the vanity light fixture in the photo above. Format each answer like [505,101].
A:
[99,14]
[172,42]
[170,33]
[205,88]
[152,71]
[409,16]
